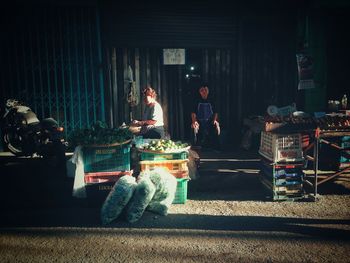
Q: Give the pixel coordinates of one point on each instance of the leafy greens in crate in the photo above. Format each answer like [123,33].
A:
[164,145]
[99,134]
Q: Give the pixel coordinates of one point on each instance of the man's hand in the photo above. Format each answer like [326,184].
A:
[136,123]
[217,126]
[195,125]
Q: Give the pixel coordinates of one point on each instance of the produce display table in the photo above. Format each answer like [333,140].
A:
[324,129]
[323,137]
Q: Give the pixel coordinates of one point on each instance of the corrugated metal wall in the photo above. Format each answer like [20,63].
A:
[145,64]
[267,49]
[165,24]
[248,59]
[51,59]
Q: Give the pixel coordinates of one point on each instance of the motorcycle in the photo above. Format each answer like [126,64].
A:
[25,135]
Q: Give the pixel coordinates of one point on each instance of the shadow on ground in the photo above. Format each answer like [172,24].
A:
[34,194]
[315,229]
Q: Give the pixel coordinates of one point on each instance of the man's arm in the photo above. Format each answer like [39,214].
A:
[215,115]
[215,118]
[148,122]
[142,123]
[193,117]
[194,124]
[216,123]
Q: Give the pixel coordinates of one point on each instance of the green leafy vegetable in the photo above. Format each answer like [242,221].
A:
[164,145]
[99,133]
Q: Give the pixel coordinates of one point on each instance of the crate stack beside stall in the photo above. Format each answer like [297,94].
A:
[282,164]
[344,161]
[103,166]
[175,162]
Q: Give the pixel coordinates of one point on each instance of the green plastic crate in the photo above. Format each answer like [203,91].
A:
[346,145]
[181,191]
[106,158]
[146,156]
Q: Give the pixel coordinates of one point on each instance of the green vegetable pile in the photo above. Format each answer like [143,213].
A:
[164,145]
[99,134]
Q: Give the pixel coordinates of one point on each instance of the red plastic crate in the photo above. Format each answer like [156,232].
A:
[104,177]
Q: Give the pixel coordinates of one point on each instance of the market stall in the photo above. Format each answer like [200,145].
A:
[332,130]
[119,171]
[291,142]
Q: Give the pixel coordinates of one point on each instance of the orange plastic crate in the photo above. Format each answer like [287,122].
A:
[180,174]
[173,166]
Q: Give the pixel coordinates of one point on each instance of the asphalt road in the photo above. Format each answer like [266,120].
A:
[228,218]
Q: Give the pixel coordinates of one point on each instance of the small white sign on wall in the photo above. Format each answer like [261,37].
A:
[173,56]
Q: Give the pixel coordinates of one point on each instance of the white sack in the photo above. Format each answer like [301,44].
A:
[164,195]
[79,190]
[117,199]
[193,160]
[143,194]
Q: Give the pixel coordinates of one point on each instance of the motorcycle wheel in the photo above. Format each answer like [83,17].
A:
[13,143]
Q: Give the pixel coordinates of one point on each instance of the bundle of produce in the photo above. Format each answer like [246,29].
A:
[334,121]
[99,134]
[141,198]
[165,184]
[164,146]
[117,199]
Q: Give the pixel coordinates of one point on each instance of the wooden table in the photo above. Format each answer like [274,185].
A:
[320,137]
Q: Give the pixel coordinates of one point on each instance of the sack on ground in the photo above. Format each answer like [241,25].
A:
[193,160]
[164,195]
[143,194]
[117,199]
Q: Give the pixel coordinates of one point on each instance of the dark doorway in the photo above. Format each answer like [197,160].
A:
[193,76]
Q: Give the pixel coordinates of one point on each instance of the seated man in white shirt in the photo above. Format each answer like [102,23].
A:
[152,124]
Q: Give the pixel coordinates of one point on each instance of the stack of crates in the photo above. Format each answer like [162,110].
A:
[345,160]
[103,166]
[281,147]
[175,163]
[282,165]
[285,181]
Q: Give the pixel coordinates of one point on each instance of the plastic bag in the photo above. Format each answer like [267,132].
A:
[79,190]
[164,195]
[193,163]
[143,194]
[117,199]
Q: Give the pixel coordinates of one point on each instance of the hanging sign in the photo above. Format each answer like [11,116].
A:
[173,56]
[305,71]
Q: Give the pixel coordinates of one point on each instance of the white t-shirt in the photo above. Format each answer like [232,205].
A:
[154,112]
